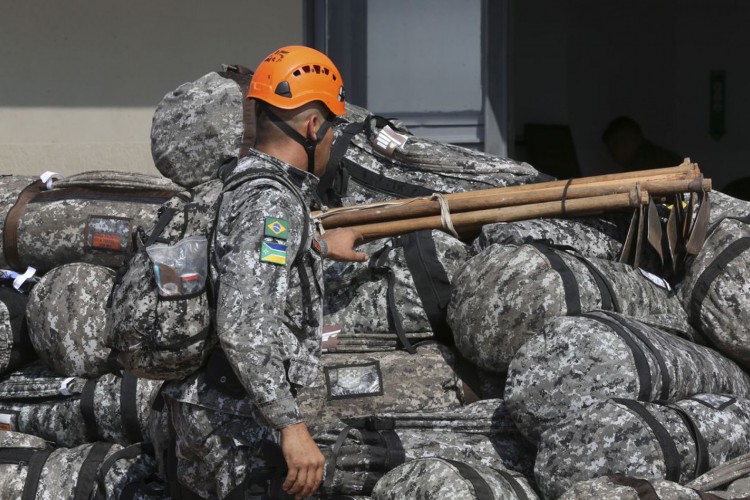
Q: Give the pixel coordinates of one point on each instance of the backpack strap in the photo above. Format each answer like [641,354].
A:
[87,409]
[88,472]
[570,284]
[129,453]
[666,443]
[633,328]
[129,407]
[639,357]
[13,221]
[701,447]
[34,473]
[430,280]
[482,490]
[377,265]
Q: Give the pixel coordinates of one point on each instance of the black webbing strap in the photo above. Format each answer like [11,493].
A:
[380,182]
[128,453]
[633,327]
[701,447]
[164,219]
[330,469]
[88,472]
[129,407]
[16,455]
[34,473]
[570,285]
[644,489]
[639,357]
[606,291]
[87,410]
[377,265]
[15,303]
[482,490]
[668,447]
[333,169]
[707,277]
[518,489]
[430,280]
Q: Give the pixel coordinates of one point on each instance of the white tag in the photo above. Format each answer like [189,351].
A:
[48,176]
[64,390]
[388,140]
[660,282]
[21,278]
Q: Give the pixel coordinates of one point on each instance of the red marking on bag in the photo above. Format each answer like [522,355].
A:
[108,241]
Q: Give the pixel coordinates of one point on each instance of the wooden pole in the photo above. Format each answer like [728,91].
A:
[496,199]
[469,221]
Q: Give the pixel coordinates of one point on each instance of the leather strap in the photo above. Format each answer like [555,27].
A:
[13,220]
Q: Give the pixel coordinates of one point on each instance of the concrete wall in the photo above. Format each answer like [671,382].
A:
[584,62]
[80,79]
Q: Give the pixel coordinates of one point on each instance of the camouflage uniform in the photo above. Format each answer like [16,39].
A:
[268,322]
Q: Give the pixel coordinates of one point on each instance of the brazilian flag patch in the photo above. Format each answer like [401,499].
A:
[273,253]
[276,228]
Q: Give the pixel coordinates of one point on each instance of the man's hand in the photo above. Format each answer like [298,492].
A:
[341,242]
[304,460]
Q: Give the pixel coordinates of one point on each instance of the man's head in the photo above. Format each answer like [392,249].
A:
[622,137]
[298,93]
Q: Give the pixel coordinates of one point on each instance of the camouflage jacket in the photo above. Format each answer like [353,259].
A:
[268,299]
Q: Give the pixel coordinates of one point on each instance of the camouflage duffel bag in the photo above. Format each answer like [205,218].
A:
[619,487]
[716,289]
[15,345]
[69,411]
[731,478]
[506,293]
[356,384]
[374,159]
[599,237]
[404,288]
[30,469]
[10,188]
[202,124]
[676,442]
[436,478]
[724,206]
[67,317]
[360,451]
[576,361]
[88,217]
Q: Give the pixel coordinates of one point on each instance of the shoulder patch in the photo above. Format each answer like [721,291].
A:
[273,253]
[276,228]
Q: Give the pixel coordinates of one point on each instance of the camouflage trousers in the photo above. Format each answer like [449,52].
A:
[218,454]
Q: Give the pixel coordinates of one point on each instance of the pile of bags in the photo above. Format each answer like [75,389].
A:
[526,363]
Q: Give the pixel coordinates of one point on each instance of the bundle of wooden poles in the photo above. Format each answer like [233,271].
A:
[468,211]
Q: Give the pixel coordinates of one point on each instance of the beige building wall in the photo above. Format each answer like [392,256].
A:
[79,80]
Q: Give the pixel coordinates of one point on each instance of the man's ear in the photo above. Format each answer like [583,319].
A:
[311,126]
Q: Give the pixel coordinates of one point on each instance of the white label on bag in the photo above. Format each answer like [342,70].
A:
[656,280]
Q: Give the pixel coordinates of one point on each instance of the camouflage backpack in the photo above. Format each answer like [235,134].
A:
[506,293]
[67,319]
[574,362]
[87,217]
[30,469]
[442,478]
[677,442]
[620,487]
[375,159]
[716,288]
[69,411]
[160,312]
[202,124]
[360,451]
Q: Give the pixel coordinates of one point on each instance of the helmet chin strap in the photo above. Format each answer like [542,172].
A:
[306,142]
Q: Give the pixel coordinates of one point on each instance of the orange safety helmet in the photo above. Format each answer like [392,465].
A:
[293,76]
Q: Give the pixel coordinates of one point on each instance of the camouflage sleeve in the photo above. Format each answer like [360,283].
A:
[253,288]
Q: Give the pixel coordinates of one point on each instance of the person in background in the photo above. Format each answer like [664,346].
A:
[631,150]
[267,269]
